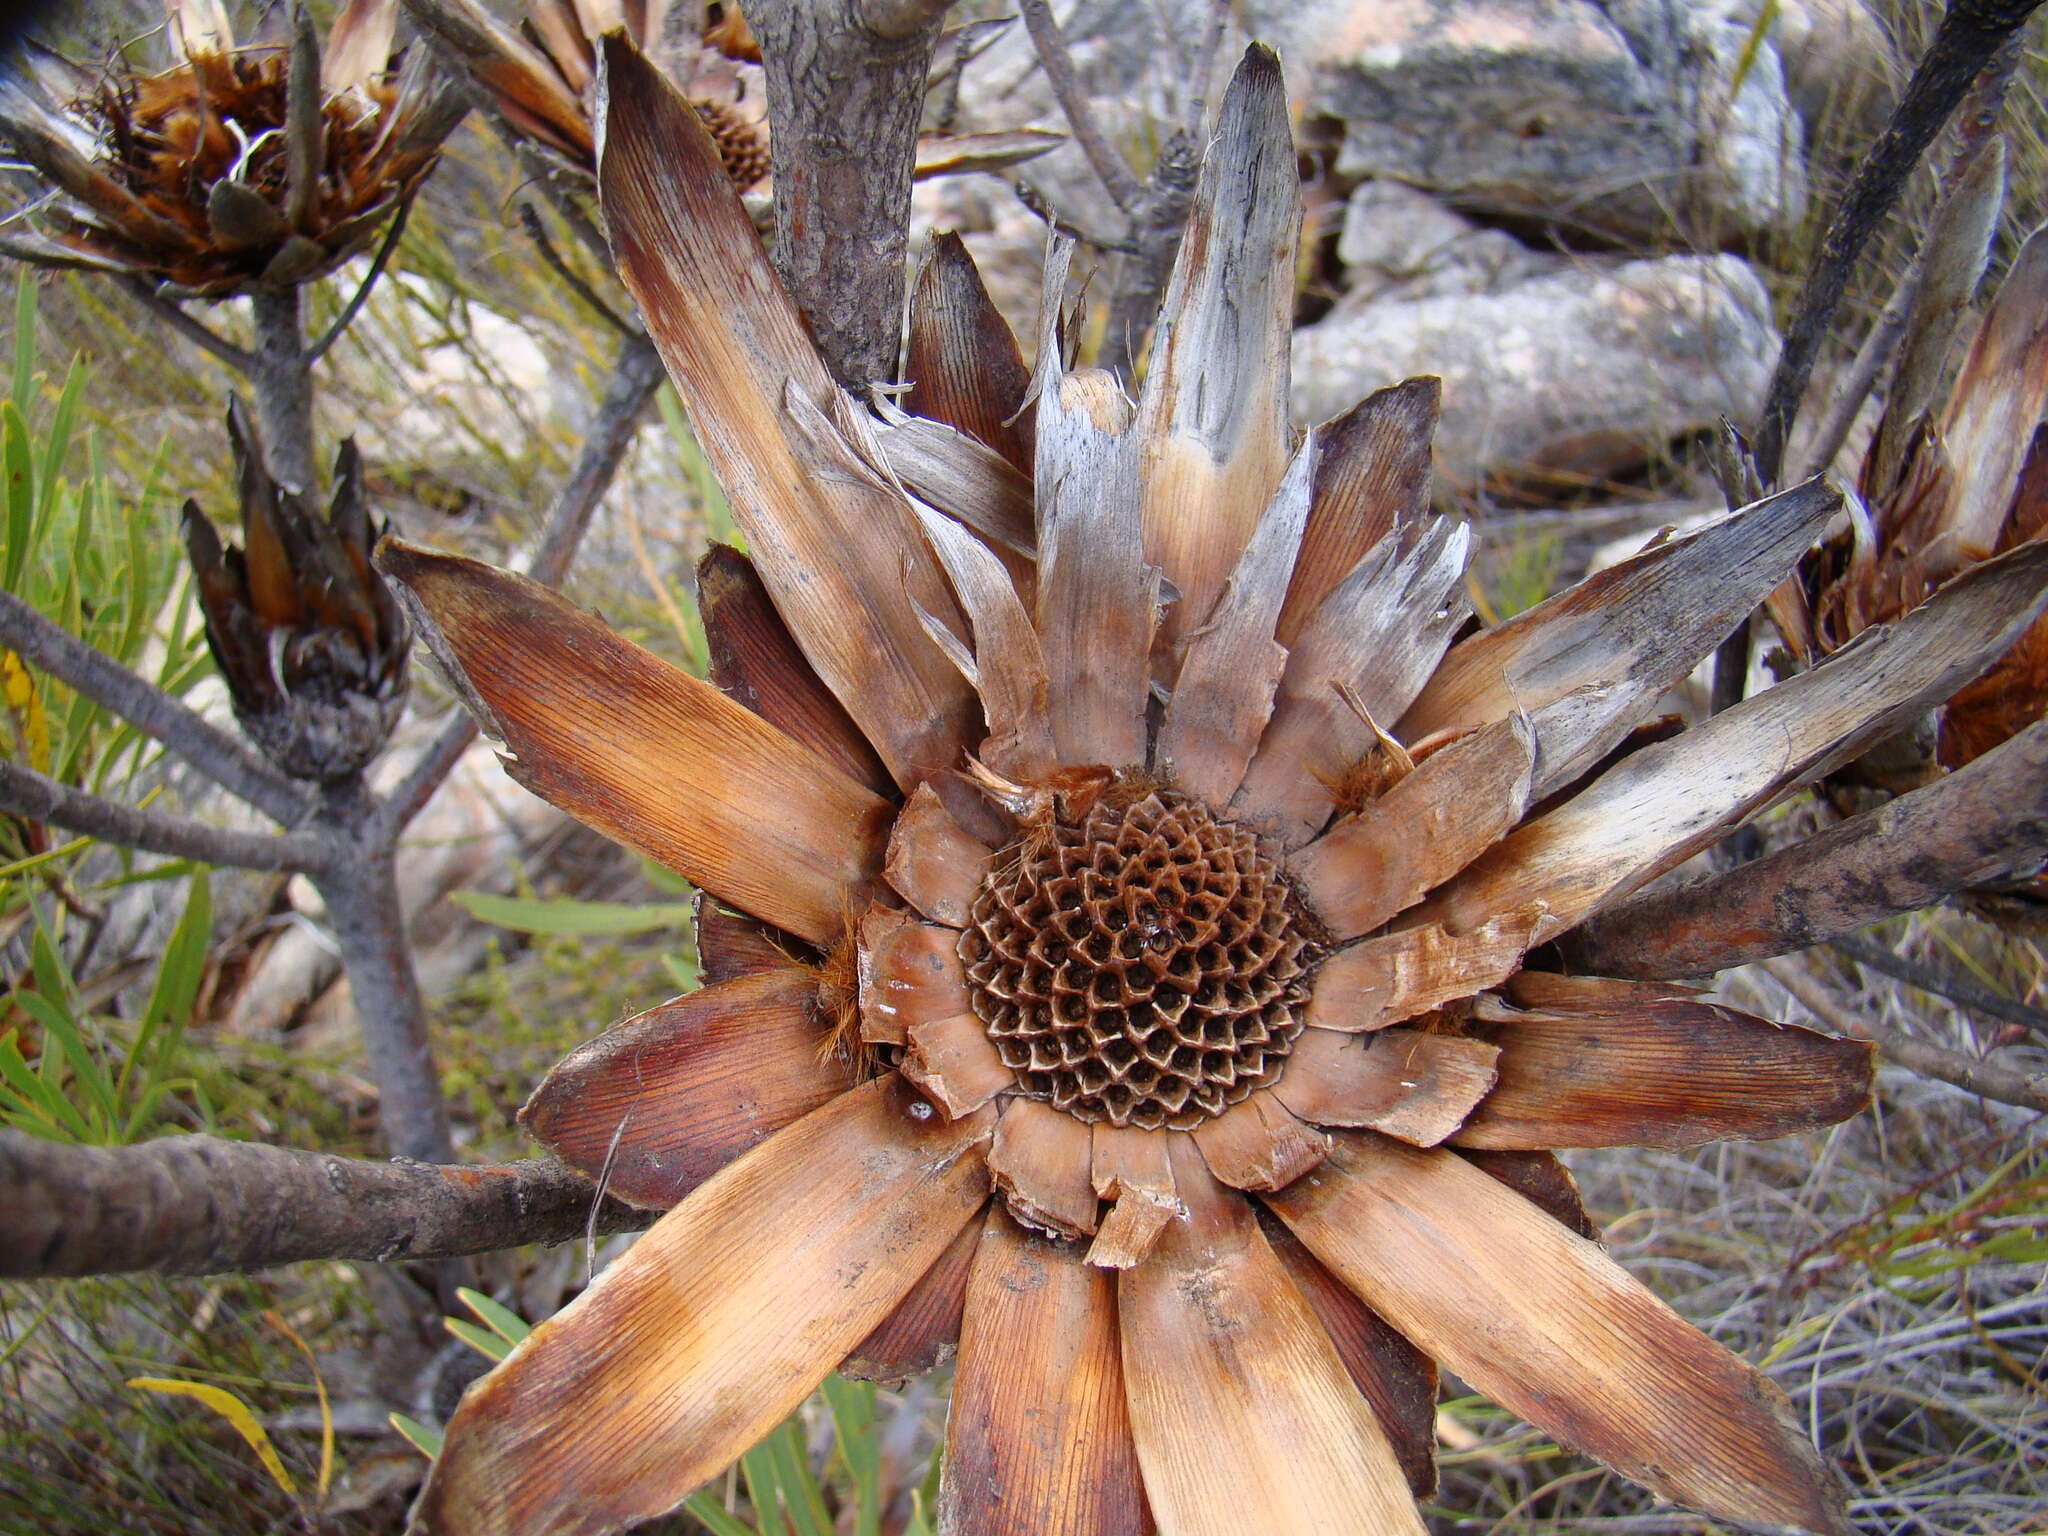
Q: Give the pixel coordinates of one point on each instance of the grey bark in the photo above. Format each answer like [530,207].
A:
[844,99]
[195,1205]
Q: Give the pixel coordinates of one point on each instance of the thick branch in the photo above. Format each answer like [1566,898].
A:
[1986,821]
[636,375]
[2029,1090]
[195,1205]
[230,763]
[844,103]
[1971,32]
[25,792]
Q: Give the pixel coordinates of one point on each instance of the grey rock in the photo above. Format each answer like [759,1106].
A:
[1399,242]
[1627,118]
[1584,371]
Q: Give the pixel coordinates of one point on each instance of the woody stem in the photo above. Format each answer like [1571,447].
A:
[281,379]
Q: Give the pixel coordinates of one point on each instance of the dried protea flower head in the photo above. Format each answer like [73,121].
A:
[1200,1113]
[542,80]
[1949,482]
[307,636]
[242,166]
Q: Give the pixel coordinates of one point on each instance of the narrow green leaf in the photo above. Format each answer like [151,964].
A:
[37,1100]
[482,1340]
[423,1438]
[171,996]
[529,914]
[18,470]
[24,340]
[46,964]
[87,1074]
[852,1404]
[505,1323]
[57,435]
[716,1518]
[800,1488]
[764,1487]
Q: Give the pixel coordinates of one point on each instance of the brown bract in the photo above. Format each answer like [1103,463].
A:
[1949,482]
[1208,1026]
[308,638]
[257,164]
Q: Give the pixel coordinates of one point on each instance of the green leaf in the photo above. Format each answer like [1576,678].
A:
[24,340]
[666,881]
[57,436]
[505,1323]
[715,1517]
[172,996]
[531,914]
[684,972]
[482,1340]
[18,470]
[852,1404]
[800,1491]
[764,1486]
[423,1438]
[86,1071]
[37,1100]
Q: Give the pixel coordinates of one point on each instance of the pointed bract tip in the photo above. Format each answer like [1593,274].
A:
[1259,69]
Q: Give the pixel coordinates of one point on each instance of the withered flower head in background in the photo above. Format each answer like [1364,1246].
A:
[308,637]
[1956,472]
[1143,873]
[541,80]
[244,165]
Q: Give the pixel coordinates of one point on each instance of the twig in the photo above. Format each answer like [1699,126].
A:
[41,798]
[2028,1090]
[1971,32]
[1861,375]
[548,176]
[636,375]
[1058,64]
[1037,202]
[1986,821]
[1157,208]
[537,232]
[201,1205]
[361,296]
[230,763]
[202,336]
[1943,982]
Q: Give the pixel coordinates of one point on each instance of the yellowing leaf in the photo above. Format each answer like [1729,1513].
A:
[231,1408]
[25,709]
[277,1321]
